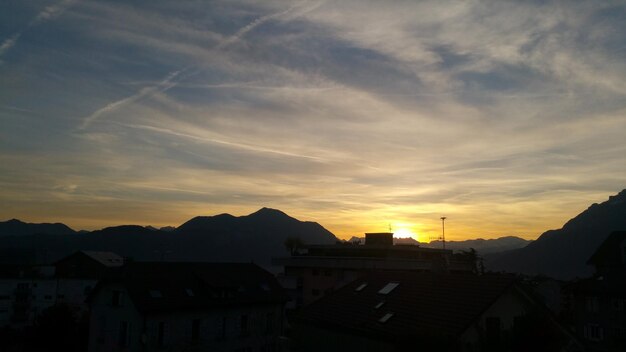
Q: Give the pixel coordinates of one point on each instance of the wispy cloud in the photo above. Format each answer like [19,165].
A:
[52,11]
[292,12]
[463,108]
[162,86]
[8,43]
[47,14]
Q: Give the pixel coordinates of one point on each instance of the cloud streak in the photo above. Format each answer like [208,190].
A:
[162,86]
[48,13]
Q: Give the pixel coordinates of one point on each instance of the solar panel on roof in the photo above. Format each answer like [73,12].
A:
[361,287]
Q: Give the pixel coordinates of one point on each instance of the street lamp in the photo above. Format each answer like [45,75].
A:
[443,231]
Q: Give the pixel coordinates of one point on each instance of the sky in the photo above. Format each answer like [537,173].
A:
[507,117]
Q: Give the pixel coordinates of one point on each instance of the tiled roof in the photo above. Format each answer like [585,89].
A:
[108,259]
[422,304]
[168,286]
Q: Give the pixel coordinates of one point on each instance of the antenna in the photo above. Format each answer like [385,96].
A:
[389,227]
[443,231]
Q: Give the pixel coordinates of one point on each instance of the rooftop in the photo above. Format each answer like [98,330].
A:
[407,304]
[169,286]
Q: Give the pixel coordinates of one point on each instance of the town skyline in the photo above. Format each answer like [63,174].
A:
[506,118]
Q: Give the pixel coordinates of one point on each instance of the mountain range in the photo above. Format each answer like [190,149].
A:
[259,236]
[254,237]
[563,253]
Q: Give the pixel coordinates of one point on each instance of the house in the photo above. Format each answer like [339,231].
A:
[427,311]
[87,264]
[25,291]
[168,306]
[599,302]
[317,270]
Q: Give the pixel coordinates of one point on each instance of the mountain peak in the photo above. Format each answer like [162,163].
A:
[18,227]
[268,212]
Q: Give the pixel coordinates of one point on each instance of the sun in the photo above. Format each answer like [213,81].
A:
[404,233]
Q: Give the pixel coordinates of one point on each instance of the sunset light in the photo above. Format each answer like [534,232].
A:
[403,232]
[312,175]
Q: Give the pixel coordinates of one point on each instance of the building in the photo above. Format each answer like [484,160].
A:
[169,306]
[316,270]
[397,311]
[25,291]
[599,302]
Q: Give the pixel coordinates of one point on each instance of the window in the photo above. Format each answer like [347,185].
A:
[48,297]
[161,334]
[195,330]
[223,327]
[269,323]
[116,299]
[102,324]
[385,318]
[388,288]
[492,325]
[244,325]
[592,304]
[593,332]
[315,292]
[124,334]
[618,304]
[328,272]
[315,272]
[619,332]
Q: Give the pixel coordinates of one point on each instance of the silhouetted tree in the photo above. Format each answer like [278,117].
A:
[470,256]
[292,244]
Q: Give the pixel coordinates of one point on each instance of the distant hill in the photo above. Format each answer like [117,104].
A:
[15,227]
[563,253]
[255,237]
[482,246]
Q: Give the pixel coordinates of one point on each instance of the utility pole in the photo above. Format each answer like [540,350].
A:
[443,231]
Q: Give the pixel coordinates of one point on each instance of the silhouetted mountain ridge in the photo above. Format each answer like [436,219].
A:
[224,237]
[563,253]
[16,227]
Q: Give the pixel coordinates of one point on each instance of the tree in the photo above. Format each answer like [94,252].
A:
[292,244]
